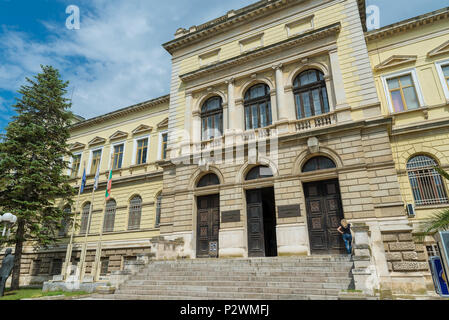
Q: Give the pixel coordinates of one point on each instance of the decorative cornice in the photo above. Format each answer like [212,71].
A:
[243,58]
[443,48]
[121,112]
[195,33]
[395,60]
[408,24]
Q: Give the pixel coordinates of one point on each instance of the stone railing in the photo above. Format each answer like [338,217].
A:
[364,272]
[315,122]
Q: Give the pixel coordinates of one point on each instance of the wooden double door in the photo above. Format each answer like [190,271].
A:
[261,216]
[208,225]
[324,213]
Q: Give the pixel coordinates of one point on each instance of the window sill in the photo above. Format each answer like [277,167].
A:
[432,206]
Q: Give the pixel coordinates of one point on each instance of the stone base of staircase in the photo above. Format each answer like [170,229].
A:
[279,278]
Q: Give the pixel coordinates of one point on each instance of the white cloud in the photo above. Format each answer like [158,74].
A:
[115,59]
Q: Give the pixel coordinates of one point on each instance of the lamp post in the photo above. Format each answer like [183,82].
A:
[9,219]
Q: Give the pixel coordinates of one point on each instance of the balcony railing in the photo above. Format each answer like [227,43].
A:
[315,122]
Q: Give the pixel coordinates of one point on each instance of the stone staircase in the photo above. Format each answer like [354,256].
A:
[299,278]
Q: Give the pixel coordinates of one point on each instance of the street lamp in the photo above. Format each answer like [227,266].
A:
[9,219]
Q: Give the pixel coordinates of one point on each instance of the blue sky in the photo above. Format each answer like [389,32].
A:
[115,59]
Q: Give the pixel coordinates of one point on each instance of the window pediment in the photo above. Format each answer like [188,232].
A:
[395,60]
[443,48]
[118,135]
[163,123]
[77,145]
[142,128]
[96,140]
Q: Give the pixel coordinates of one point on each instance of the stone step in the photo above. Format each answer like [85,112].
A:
[150,276]
[254,264]
[325,283]
[255,293]
[249,269]
[208,285]
[160,297]
[197,278]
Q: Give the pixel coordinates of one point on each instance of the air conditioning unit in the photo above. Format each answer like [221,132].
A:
[410,210]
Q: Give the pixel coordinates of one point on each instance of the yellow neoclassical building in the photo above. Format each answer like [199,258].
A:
[283,118]
[410,62]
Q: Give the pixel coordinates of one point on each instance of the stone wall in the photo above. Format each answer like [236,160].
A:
[402,254]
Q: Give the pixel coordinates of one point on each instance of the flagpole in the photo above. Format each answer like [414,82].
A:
[83,253]
[68,254]
[98,251]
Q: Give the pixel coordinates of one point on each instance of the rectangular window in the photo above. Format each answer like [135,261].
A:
[158,211]
[164,145]
[36,269]
[142,149]
[403,93]
[118,156]
[104,266]
[76,162]
[96,158]
[446,74]
[56,267]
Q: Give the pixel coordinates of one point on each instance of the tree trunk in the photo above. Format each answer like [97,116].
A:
[15,281]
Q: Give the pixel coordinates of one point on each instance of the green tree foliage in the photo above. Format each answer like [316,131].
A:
[32,169]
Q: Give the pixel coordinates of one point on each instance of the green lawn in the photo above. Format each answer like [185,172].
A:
[26,293]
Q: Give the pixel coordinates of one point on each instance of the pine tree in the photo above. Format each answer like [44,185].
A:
[32,165]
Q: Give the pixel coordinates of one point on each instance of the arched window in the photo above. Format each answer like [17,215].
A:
[209,179]
[85,218]
[259,172]
[212,118]
[318,163]
[257,107]
[158,209]
[426,182]
[135,212]
[310,92]
[65,222]
[109,216]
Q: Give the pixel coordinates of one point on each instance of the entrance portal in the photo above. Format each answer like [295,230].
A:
[208,224]
[261,215]
[324,213]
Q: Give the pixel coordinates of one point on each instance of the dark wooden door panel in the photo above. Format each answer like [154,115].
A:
[324,213]
[256,240]
[208,225]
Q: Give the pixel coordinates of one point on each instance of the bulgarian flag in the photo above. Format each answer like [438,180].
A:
[109,186]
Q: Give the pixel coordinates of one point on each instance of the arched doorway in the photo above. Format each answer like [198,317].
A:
[261,216]
[208,219]
[324,209]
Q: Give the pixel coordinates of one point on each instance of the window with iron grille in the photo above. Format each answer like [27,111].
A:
[135,212]
[257,107]
[109,216]
[212,118]
[56,266]
[209,179]
[427,184]
[104,266]
[310,92]
[36,268]
[158,210]
[259,172]
[85,218]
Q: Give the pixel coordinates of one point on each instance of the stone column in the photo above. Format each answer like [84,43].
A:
[280,99]
[188,115]
[196,127]
[231,115]
[340,96]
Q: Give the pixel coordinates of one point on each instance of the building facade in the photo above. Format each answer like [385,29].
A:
[283,118]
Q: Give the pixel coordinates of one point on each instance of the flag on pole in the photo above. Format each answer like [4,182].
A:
[83,181]
[97,177]
[109,186]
